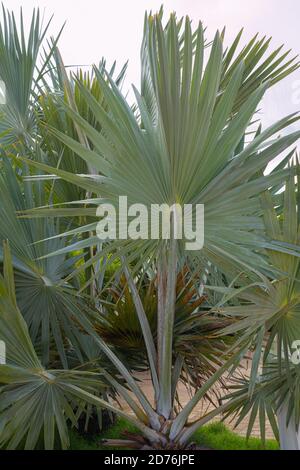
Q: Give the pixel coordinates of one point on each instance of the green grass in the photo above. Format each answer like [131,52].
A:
[114,432]
[214,436]
[217,436]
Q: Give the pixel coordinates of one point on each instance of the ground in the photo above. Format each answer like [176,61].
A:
[203,407]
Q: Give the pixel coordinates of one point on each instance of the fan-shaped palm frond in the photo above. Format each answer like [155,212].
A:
[270,313]
[274,389]
[51,307]
[21,73]
[52,114]
[187,155]
[36,404]
[274,308]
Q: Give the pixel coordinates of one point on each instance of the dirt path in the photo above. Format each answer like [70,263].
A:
[202,408]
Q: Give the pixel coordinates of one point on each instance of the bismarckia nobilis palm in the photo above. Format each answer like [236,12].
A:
[183,143]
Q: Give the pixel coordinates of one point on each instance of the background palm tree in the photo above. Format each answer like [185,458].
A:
[34,400]
[270,314]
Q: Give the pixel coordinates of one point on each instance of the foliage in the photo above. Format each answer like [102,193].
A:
[214,436]
[271,313]
[51,306]
[196,338]
[190,137]
[22,77]
[34,399]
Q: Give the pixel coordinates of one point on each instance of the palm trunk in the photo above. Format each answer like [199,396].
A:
[161,299]
[289,437]
[166,309]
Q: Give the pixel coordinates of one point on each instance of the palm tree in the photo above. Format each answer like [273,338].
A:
[270,313]
[22,75]
[184,142]
[55,313]
[50,305]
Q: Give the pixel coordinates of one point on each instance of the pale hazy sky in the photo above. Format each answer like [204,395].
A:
[113,29]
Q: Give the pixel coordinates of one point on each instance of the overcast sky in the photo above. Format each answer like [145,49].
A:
[113,29]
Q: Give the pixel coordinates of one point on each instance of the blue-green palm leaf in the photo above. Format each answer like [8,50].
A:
[51,308]
[186,152]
